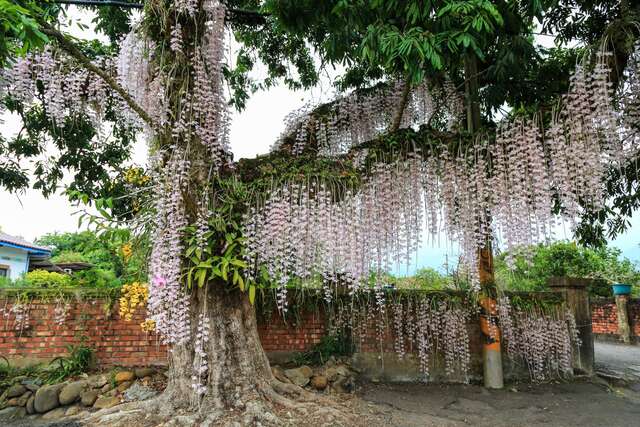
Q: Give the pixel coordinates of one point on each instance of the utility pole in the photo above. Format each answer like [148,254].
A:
[491,348]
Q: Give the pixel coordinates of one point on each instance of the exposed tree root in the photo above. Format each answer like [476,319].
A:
[277,404]
[240,387]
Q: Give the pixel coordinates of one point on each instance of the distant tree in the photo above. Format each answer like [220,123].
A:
[111,255]
[529,268]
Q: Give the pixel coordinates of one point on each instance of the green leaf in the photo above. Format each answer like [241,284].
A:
[202,276]
[225,267]
[239,263]
[235,277]
[190,277]
[252,294]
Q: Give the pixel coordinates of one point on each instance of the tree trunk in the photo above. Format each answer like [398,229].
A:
[240,386]
[238,369]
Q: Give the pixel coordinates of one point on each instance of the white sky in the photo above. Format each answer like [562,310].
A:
[252,132]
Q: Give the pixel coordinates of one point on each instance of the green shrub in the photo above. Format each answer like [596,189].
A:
[329,345]
[69,256]
[95,278]
[79,361]
[46,279]
[534,265]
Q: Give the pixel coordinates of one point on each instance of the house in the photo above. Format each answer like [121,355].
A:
[16,254]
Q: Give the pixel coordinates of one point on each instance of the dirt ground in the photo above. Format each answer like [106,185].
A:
[580,403]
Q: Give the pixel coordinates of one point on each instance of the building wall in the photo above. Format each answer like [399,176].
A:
[15,259]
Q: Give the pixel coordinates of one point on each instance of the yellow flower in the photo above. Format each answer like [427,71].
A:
[148,325]
[133,295]
[126,250]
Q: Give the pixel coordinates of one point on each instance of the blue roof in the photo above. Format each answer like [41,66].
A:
[19,243]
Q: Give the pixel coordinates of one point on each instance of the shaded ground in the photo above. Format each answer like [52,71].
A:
[581,404]
[618,360]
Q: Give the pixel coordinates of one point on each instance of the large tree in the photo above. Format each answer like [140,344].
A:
[424,83]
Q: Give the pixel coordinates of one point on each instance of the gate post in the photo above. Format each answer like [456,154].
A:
[576,296]
[624,331]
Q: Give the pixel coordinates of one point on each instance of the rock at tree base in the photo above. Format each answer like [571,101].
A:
[299,376]
[89,397]
[15,391]
[144,372]
[319,382]
[123,386]
[139,392]
[47,398]
[98,381]
[343,370]
[123,376]
[30,408]
[105,388]
[331,374]
[12,413]
[71,392]
[19,401]
[54,414]
[104,402]
[73,410]
[279,374]
[32,387]
[343,385]
[32,384]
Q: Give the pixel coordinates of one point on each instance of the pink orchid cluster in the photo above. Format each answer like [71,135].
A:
[418,324]
[200,361]
[61,312]
[168,300]
[310,231]
[20,312]
[59,84]
[502,189]
[543,341]
[357,118]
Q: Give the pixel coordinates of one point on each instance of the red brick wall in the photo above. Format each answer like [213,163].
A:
[604,317]
[122,343]
[115,341]
[278,334]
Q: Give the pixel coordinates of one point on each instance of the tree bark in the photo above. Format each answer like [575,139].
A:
[238,369]
[472,92]
[240,386]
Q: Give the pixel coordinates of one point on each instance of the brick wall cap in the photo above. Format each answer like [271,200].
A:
[559,282]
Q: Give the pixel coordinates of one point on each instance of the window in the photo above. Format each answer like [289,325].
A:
[4,271]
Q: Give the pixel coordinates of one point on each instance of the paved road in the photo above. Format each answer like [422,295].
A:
[618,358]
[557,404]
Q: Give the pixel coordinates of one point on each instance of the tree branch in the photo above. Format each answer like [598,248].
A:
[239,16]
[403,104]
[76,53]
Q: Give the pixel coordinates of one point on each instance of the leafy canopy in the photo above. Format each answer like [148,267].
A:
[366,41]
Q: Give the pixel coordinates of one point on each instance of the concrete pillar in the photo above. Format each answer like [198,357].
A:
[576,295]
[624,330]
[491,351]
